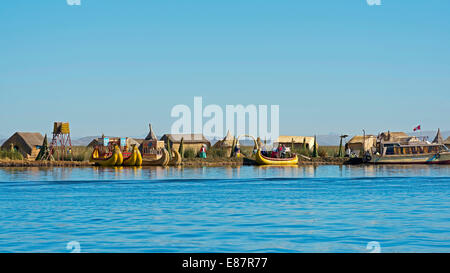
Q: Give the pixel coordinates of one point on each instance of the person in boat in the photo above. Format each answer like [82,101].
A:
[280,151]
[283,151]
[263,150]
[273,153]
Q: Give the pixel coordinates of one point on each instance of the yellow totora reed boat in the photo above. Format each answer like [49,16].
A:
[115,159]
[135,159]
[264,160]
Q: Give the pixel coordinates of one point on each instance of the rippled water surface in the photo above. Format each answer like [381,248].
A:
[246,209]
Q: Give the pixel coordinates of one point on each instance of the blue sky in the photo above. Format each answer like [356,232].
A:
[333,66]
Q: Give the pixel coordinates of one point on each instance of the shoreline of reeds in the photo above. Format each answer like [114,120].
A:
[215,158]
[39,163]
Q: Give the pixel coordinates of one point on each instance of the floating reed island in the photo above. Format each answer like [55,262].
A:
[195,150]
[34,163]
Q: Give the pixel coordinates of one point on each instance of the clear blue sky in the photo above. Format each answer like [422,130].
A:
[111,66]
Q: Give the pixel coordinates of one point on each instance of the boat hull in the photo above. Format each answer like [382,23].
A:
[135,159]
[162,161]
[111,161]
[262,160]
[443,158]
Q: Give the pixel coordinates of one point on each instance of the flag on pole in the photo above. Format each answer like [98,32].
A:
[417,128]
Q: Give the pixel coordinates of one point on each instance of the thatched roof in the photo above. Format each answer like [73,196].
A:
[227,141]
[394,134]
[398,136]
[132,141]
[438,139]
[187,138]
[360,139]
[31,139]
[297,139]
[138,140]
[228,137]
[151,135]
[24,142]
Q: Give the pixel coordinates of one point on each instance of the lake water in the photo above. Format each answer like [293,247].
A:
[245,209]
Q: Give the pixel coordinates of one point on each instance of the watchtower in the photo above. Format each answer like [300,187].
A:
[61,144]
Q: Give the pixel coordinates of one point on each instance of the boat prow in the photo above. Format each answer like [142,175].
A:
[135,159]
[119,158]
[139,158]
[176,159]
[162,161]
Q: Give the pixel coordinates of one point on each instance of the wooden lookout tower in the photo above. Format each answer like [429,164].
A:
[61,145]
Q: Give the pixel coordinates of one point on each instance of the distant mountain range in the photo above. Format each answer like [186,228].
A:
[82,141]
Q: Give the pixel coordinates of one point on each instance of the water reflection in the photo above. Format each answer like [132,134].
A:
[155,173]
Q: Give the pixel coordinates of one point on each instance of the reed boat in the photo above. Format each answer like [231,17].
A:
[269,161]
[162,161]
[264,160]
[115,159]
[420,153]
[176,159]
[134,159]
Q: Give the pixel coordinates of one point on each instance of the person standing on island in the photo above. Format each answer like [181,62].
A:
[203,151]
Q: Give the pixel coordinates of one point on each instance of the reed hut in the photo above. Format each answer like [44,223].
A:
[28,144]
[447,142]
[360,144]
[297,141]
[190,141]
[226,142]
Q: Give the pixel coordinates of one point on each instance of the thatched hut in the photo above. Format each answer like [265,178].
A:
[447,142]
[360,144]
[28,144]
[226,143]
[297,141]
[190,141]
